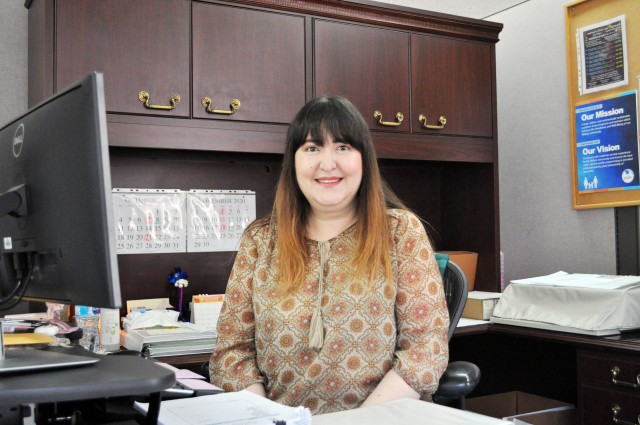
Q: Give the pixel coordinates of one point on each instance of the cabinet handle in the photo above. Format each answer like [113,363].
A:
[615,410]
[615,370]
[423,120]
[143,97]
[399,117]
[234,105]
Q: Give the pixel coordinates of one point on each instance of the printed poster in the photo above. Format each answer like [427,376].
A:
[607,144]
[603,63]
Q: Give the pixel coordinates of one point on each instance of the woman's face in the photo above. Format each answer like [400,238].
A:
[329,175]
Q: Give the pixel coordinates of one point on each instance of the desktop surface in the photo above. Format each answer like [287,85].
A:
[111,376]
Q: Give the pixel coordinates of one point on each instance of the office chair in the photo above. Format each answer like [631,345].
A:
[460,378]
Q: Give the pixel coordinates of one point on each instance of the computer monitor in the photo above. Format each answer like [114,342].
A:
[56,216]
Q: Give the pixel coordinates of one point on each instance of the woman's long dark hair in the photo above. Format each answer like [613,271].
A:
[339,118]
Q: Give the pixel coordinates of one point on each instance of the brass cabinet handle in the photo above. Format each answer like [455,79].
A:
[615,370]
[615,410]
[423,120]
[234,105]
[143,97]
[399,117]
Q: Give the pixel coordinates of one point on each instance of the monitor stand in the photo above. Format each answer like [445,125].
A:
[27,360]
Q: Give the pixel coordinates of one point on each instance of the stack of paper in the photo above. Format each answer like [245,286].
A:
[234,408]
[157,341]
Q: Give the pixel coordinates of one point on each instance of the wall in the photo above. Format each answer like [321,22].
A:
[13,59]
[540,232]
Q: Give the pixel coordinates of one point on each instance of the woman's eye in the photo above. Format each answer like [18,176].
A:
[343,148]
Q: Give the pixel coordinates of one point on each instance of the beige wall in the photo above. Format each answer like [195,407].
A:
[540,232]
[13,59]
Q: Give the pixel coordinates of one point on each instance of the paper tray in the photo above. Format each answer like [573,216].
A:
[587,311]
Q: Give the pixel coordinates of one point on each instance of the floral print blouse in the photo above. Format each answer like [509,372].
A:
[367,329]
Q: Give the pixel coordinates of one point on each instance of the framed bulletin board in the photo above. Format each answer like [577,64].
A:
[603,61]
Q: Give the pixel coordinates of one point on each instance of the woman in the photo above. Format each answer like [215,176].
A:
[335,300]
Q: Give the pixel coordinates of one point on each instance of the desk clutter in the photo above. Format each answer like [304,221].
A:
[587,304]
[158,333]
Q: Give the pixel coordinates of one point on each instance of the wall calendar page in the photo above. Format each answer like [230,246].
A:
[217,218]
[149,221]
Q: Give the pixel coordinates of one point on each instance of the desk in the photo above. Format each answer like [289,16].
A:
[112,376]
[568,367]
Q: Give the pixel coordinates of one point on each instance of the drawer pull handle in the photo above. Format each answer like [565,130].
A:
[615,370]
[399,117]
[615,410]
[441,121]
[234,105]
[143,97]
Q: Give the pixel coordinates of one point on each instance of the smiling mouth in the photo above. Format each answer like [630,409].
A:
[329,181]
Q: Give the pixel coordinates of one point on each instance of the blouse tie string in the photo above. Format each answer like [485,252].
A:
[316,331]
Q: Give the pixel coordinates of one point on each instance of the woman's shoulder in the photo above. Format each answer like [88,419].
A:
[401,221]
[401,215]
[259,228]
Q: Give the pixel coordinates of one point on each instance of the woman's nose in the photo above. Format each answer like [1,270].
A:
[328,160]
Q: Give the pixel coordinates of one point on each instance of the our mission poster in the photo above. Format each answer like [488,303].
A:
[607,144]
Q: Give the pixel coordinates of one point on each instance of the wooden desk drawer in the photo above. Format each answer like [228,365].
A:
[598,406]
[611,370]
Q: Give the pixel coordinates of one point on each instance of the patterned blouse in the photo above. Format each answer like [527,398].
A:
[367,329]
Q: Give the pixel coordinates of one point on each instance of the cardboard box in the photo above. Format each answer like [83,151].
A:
[480,305]
[524,408]
[468,261]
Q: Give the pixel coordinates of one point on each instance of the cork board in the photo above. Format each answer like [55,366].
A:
[603,61]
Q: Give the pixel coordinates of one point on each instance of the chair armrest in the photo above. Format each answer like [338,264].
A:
[458,380]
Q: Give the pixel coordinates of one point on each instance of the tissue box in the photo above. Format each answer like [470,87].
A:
[480,305]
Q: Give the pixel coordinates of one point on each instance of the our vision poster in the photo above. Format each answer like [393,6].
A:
[607,144]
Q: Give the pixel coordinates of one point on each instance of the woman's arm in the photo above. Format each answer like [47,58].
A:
[257,389]
[421,312]
[233,364]
[392,387]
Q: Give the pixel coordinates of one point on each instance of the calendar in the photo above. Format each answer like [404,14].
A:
[217,218]
[149,220]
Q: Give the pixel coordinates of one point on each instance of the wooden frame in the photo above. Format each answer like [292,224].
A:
[578,15]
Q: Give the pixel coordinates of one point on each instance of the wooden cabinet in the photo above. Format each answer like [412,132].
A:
[272,56]
[254,57]
[609,387]
[140,46]
[452,79]
[367,65]
[144,46]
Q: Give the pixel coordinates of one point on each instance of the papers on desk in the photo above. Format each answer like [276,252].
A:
[234,408]
[180,339]
[580,280]
[407,411]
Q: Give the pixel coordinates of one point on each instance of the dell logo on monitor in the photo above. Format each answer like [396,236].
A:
[18,140]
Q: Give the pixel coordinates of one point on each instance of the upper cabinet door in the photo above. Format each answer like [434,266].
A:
[367,65]
[141,46]
[452,79]
[248,65]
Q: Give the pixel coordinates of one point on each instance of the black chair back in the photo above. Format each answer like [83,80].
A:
[456,289]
